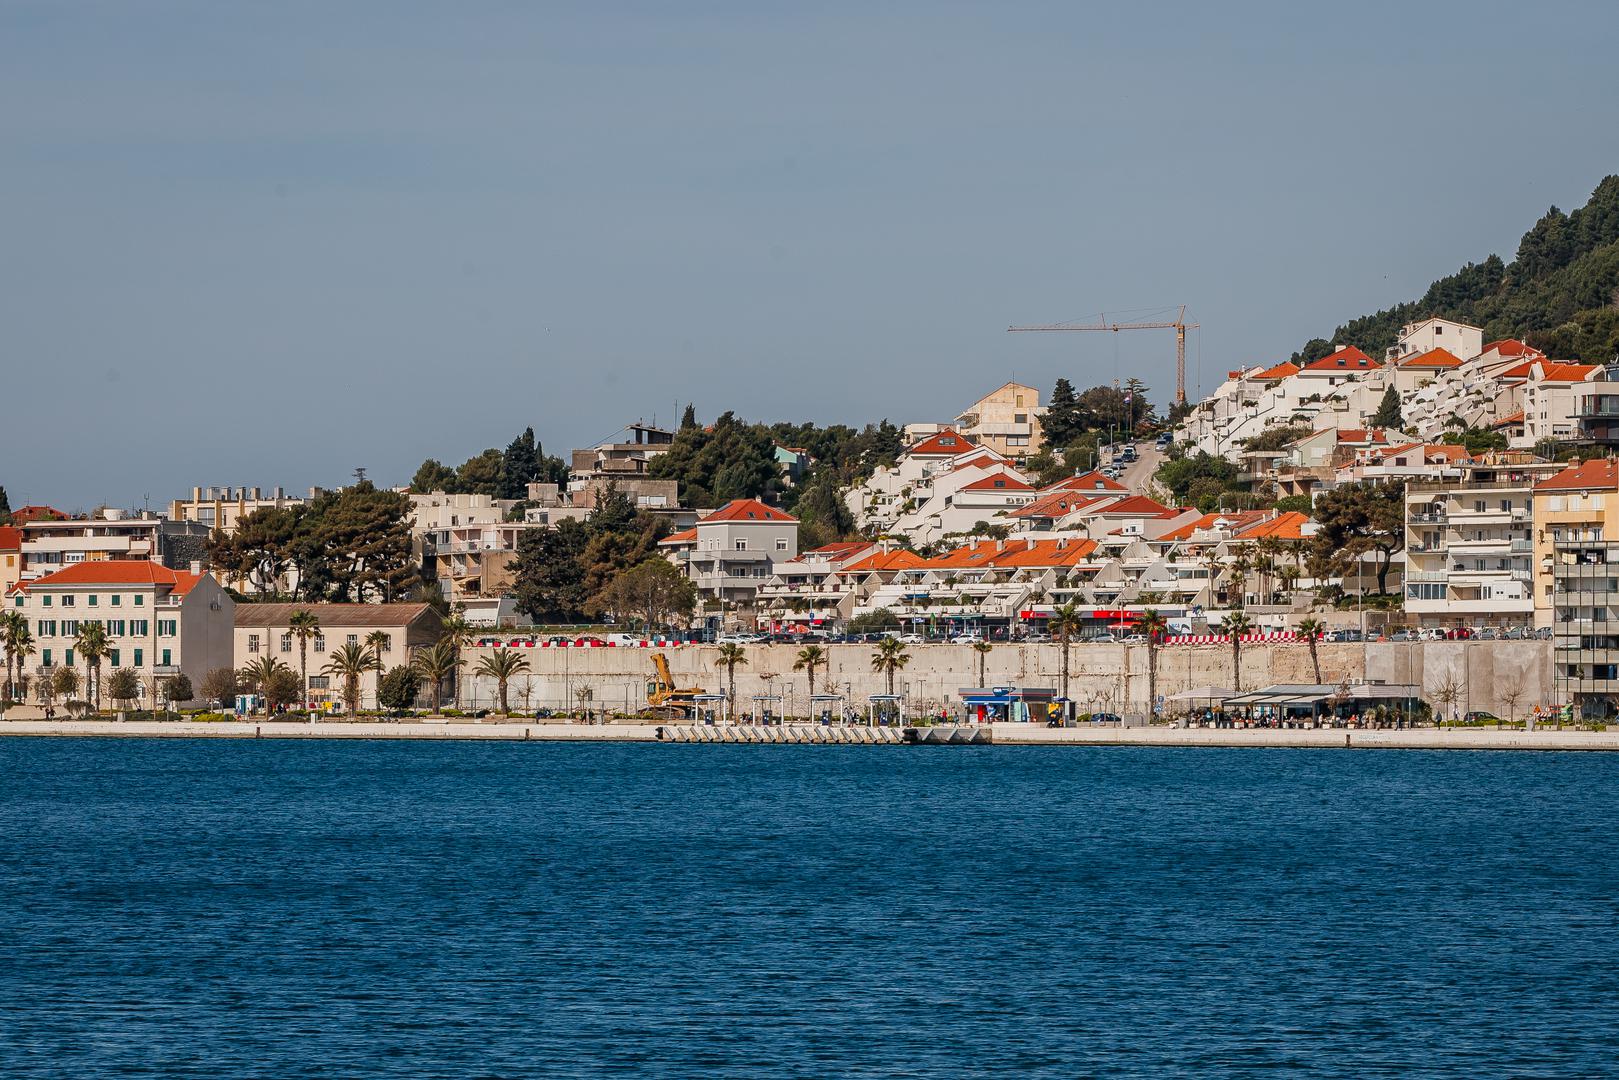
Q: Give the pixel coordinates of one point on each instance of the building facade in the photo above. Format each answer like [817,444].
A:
[261,630]
[1007,420]
[735,551]
[159,622]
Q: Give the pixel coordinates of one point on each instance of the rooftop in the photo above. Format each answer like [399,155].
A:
[332,615]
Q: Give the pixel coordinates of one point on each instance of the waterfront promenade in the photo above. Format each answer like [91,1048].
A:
[1002,734]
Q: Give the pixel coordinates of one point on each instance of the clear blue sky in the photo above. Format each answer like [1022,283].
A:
[265,243]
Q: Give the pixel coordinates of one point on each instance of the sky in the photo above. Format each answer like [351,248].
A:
[263,244]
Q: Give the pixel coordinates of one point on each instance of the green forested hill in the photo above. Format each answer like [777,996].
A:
[1560,294]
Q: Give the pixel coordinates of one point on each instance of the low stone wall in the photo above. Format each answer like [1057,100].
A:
[1318,738]
[1102,677]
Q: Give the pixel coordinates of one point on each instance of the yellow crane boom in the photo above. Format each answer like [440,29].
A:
[1178,324]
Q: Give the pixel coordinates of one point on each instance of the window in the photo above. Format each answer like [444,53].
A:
[286,642]
[92,599]
[166,661]
[353,639]
[139,599]
[67,601]
[138,658]
[115,628]
[252,643]
[320,682]
[45,657]
[741,545]
[112,655]
[139,627]
[165,628]
[117,600]
[1020,418]
[781,543]
[44,600]
[320,642]
[67,658]
[70,627]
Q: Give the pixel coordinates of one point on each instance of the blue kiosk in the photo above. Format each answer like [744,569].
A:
[1008,704]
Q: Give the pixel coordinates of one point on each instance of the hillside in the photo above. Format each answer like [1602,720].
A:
[1560,293]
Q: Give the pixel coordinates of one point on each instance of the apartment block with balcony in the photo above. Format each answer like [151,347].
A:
[51,545]
[736,550]
[1469,557]
[224,508]
[159,622]
[1577,582]
[1007,420]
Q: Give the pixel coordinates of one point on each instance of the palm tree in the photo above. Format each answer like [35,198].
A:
[92,643]
[500,666]
[13,624]
[21,648]
[1155,626]
[1235,625]
[14,636]
[378,641]
[730,656]
[810,657]
[349,663]
[459,633]
[304,625]
[1312,629]
[257,674]
[435,664]
[1067,621]
[983,649]
[889,658]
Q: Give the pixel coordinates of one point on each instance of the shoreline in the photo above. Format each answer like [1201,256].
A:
[1001,734]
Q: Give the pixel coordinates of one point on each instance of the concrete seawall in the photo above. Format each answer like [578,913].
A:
[1102,677]
[1003,734]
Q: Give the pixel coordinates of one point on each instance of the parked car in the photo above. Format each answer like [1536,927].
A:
[1039,637]
[911,639]
[1487,633]
[1481,716]
[1405,635]
[968,637]
[1133,639]
[1341,635]
[1544,633]
[1106,718]
[740,639]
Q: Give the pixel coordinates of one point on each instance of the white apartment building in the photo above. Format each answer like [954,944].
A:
[925,495]
[160,622]
[1469,556]
[736,549]
[1459,339]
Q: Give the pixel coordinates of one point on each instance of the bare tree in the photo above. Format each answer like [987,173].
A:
[1510,698]
[1446,693]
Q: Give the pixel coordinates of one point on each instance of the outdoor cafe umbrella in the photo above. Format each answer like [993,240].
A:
[1203,693]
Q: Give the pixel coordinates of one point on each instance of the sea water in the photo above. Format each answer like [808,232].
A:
[267,909]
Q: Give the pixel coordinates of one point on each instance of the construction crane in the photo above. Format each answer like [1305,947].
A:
[1179,325]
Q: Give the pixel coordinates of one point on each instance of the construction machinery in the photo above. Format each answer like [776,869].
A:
[1178,324]
[665,700]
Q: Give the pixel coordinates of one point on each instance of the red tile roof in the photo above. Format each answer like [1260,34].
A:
[10,538]
[992,554]
[119,572]
[684,536]
[24,514]
[1001,481]
[1508,347]
[1280,371]
[1059,503]
[1362,435]
[1347,358]
[899,559]
[1596,474]
[947,443]
[1091,481]
[1237,519]
[1134,504]
[1288,526]
[746,510]
[1509,420]
[1433,358]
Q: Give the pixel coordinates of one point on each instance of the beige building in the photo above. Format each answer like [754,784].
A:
[734,550]
[225,507]
[10,558]
[265,630]
[159,622]
[48,545]
[1007,420]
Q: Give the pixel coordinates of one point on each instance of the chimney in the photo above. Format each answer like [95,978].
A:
[196,567]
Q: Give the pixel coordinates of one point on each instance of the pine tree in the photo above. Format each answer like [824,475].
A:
[1060,424]
[688,419]
[1388,412]
[5,508]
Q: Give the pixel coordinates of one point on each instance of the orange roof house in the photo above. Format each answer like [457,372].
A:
[118,572]
[1346,359]
[745,510]
[947,443]
[1433,359]
[1598,474]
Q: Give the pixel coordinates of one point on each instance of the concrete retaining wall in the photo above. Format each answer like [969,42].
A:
[1109,677]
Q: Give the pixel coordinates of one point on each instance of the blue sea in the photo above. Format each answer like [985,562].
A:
[284,910]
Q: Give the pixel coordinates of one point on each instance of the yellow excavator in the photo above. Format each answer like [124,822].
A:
[664,700]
